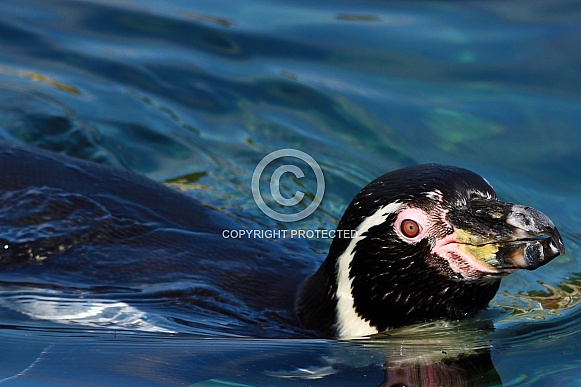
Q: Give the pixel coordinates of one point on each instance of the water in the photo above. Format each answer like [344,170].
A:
[195,95]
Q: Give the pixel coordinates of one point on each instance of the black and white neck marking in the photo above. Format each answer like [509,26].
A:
[349,323]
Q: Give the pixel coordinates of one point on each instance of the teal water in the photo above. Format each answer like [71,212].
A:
[195,94]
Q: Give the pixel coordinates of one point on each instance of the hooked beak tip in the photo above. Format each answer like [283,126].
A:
[556,244]
[538,238]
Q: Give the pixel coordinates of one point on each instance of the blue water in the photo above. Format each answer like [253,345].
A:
[194,94]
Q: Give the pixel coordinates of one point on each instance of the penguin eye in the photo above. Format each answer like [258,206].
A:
[410,228]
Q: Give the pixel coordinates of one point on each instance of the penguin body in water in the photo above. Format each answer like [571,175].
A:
[421,243]
[89,230]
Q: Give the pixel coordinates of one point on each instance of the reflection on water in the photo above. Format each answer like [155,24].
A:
[195,95]
[405,358]
[553,300]
[472,370]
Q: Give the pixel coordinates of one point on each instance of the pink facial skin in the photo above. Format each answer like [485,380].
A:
[447,247]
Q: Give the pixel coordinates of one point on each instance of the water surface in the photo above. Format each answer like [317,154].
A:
[194,95]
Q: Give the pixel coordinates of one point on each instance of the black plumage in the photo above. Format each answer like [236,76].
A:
[87,230]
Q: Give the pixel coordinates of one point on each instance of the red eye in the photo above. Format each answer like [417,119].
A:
[410,228]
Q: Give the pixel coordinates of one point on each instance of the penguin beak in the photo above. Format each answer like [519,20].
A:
[498,237]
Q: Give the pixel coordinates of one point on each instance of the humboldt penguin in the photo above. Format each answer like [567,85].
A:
[421,243]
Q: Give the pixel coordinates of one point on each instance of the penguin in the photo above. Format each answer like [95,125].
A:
[422,243]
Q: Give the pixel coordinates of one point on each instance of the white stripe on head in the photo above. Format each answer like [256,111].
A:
[349,323]
[435,195]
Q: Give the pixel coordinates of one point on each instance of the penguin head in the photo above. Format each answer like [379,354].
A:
[422,243]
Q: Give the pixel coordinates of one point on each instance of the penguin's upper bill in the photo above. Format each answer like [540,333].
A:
[431,242]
